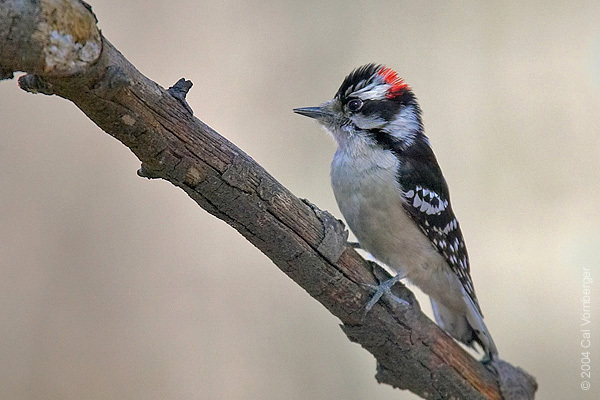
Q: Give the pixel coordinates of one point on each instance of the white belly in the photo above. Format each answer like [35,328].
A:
[368,195]
[364,181]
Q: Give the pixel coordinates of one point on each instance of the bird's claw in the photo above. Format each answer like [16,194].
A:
[384,288]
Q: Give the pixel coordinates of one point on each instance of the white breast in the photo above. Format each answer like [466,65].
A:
[368,194]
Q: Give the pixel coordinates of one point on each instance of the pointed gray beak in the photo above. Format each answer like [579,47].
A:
[320,113]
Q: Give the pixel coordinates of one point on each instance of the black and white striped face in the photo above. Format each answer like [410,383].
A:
[372,102]
[375,100]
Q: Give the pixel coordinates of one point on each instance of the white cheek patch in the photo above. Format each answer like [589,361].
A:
[405,126]
[367,122]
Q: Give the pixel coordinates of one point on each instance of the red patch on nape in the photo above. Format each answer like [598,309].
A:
[391,77]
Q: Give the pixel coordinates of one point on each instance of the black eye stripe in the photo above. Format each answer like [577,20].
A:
[386,109]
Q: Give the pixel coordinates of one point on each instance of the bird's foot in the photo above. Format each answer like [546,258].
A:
[384,288]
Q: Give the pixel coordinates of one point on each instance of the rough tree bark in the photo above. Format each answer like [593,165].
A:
[59,45]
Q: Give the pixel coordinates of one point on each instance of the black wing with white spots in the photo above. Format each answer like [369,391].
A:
[428,203]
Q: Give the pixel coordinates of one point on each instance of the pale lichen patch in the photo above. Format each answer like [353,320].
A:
[194,176]
[63,53]
[71,40]
[128,120]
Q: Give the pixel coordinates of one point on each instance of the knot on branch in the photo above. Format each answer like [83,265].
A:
[6,75]
[35,84]
[335,236]
[514,382]
[146,172]
[180,90]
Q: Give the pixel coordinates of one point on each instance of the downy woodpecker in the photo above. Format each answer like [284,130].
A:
[391,191]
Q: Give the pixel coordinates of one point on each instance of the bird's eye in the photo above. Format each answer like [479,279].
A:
[355,104]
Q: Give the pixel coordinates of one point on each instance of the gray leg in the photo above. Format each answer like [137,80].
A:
[384,288]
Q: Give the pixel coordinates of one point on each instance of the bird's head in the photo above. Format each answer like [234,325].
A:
[372,104]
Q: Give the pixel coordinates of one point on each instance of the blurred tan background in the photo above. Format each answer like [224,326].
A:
[116,287]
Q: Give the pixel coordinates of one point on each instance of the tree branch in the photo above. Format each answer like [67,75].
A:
[58,44]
